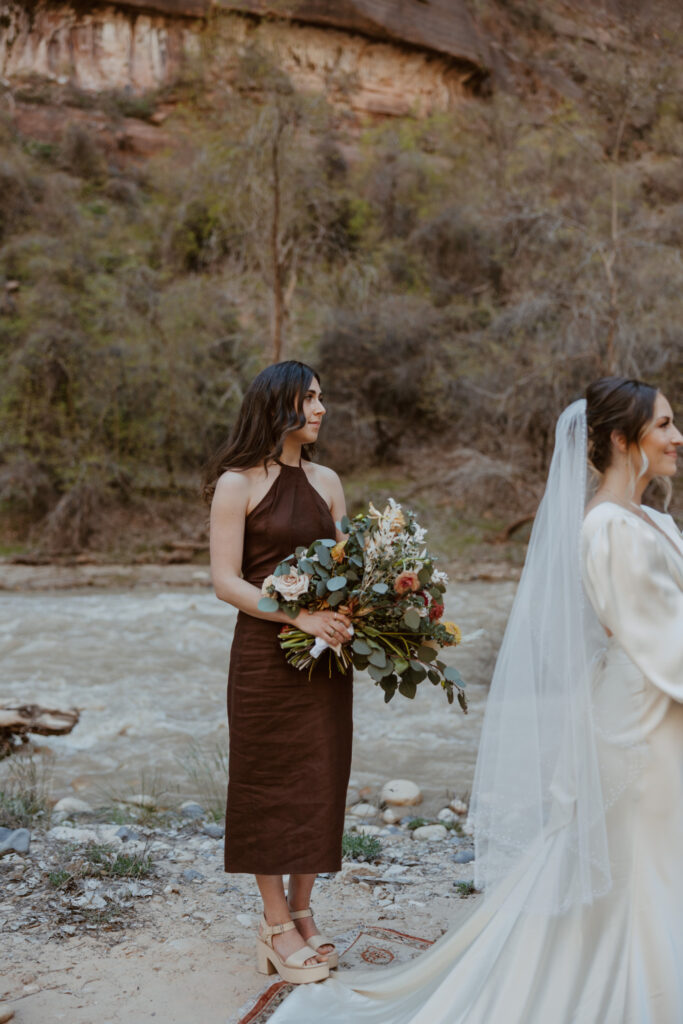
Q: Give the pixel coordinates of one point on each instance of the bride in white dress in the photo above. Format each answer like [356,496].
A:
[578,795]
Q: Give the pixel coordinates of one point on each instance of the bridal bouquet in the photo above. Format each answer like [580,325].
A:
[385,580]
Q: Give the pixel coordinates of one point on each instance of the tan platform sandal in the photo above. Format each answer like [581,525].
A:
[294,969]
[316,941]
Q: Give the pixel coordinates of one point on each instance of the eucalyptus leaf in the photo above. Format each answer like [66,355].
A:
[376,673]
[360,647]
[282,569]
[380,588]
[321,588]
[378,658]
[268,604]
[328,543]
[336,598]
[417,671]
[412,618]
[345,524]
[425,575]
[400,665]
[336,582]
[453,676]
[301,552]
[434,676]
[426,653]
[356,560]
[324,555]
[408,689]
[306,566]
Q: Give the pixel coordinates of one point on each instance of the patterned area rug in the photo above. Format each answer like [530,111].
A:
[370,947]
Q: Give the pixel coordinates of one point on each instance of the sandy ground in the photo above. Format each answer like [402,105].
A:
[186,958]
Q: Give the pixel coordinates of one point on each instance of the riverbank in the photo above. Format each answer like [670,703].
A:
[74,576]
[173,940]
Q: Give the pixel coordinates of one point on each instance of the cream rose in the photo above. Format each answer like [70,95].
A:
[293,585]
[268,582]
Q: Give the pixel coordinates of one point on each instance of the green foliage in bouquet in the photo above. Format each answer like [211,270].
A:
[385,580]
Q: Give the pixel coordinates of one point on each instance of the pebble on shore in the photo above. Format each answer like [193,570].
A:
[401,793]
[430,833]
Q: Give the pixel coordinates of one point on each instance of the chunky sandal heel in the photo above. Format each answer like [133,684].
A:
[316,941]
[263,964]
[294,969]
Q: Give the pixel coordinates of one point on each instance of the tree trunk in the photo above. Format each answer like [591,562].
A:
[276,258]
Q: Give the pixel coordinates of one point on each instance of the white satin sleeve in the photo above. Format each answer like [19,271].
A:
[635,595]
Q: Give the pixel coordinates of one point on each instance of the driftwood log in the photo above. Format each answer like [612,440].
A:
[506,534]
[16,720]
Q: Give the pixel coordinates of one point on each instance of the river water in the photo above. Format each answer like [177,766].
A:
[148,671]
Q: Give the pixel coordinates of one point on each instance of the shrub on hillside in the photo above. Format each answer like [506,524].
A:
[457,251]
[82,155]
[387,372]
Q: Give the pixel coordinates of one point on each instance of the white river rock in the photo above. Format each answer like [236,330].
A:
[401,793]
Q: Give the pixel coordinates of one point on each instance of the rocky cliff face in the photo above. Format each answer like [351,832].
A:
[374,56]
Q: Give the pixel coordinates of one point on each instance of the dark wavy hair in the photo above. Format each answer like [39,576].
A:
[616,403]
[267,415]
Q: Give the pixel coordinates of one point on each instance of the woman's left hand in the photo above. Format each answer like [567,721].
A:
[330,626]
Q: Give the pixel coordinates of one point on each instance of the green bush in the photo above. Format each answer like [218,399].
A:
[360,847]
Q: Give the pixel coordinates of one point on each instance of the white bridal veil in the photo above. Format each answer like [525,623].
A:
[538,777]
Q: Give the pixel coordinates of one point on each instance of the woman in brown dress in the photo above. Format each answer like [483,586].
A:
[290,736]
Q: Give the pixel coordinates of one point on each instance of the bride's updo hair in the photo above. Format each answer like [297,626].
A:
[616,403]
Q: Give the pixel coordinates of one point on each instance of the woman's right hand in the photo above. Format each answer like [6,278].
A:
[329,625]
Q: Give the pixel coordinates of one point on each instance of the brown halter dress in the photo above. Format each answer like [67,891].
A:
[290,737]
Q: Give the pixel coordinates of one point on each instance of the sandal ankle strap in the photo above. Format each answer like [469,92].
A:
[267,930]
[296,915]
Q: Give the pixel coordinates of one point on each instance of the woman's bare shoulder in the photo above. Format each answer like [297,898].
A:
[322,473]
[237,485]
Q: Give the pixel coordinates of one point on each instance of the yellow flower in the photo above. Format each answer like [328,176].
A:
[454,631]
[337,551]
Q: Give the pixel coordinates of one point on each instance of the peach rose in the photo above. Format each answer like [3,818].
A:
[406,582]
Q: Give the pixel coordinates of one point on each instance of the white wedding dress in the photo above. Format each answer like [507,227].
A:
[618,959]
